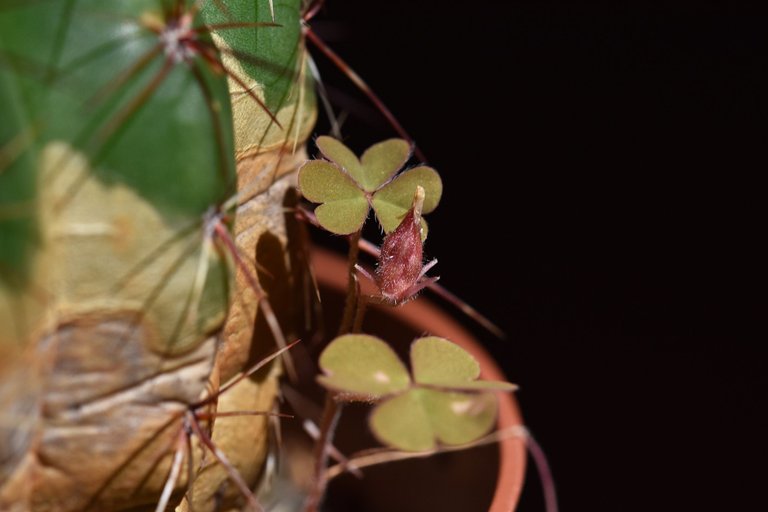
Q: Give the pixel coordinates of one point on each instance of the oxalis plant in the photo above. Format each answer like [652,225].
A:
[440,401]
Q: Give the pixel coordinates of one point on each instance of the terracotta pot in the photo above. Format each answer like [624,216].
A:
[415,318]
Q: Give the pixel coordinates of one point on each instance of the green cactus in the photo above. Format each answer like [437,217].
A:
[122,124]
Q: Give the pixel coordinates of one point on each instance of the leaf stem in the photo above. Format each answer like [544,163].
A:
[331,414]
[362,302]
[351,317]
[350,306]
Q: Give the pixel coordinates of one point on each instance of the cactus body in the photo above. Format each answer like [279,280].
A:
[118,309]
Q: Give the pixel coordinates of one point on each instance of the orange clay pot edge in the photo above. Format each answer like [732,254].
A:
[330,269]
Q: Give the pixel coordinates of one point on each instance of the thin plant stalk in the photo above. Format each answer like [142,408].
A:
[350,306]
[332,408]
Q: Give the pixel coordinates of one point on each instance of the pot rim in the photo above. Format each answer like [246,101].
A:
[330,269]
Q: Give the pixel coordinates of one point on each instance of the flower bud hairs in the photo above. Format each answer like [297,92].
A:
[400,273]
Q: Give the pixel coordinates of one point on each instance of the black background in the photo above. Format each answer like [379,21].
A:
[603,204]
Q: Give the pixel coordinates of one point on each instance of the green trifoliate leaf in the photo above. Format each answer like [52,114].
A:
[393,200]
[348,178]
[445,403]
[362,366]
[440,363]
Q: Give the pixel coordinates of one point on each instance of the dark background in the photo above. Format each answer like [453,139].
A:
[603,205]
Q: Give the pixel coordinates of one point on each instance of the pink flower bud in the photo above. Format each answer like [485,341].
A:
[400,264]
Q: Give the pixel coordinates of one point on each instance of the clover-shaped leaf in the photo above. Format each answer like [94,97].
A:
[362,366]
[442,403]
[347,186]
